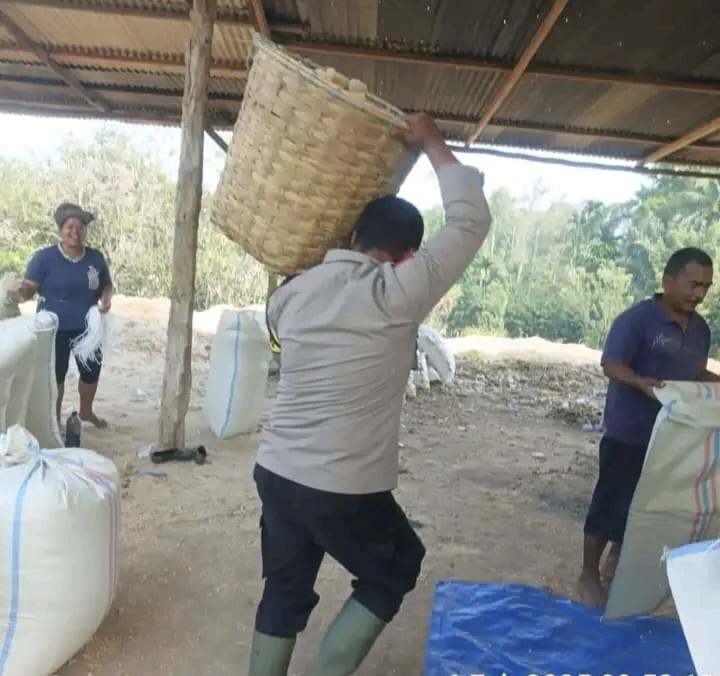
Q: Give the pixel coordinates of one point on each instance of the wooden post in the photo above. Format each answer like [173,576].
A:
[177,381]
[684,141]
[520,67]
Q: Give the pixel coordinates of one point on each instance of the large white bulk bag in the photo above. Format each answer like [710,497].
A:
[235,392]
[694,575]
[41,418]
[59,522]
[17,362]
[258,311]
[676,501]
[421,376]
[439,355]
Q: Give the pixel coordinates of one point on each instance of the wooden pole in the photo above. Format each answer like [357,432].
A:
[684,141]
[260,20]
[552,16]
[177,381]
[476,64]
[73,54]
[219,140]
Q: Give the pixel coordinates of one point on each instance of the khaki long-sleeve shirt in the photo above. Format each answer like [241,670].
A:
[347,329]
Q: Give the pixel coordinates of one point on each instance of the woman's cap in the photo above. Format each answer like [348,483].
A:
[68,210]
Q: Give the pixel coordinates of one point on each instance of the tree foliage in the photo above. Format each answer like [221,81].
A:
[133,199]
[565,273]
[548,268]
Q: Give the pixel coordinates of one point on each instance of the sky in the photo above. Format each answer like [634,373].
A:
[36,137]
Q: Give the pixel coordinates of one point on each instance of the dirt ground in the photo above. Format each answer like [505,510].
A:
[496,474]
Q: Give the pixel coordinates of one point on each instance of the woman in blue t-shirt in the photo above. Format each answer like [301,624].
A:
[69,279]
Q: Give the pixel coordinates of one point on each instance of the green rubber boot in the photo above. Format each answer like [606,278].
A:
[270,655]
[348,640]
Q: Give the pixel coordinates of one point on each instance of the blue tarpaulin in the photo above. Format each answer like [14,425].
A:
[496,629]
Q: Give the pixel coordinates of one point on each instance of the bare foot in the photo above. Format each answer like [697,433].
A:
[591,591]
[94,420]
[609,565]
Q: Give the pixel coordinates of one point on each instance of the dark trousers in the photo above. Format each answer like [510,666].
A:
[620,468]
[89,374]
[369,535]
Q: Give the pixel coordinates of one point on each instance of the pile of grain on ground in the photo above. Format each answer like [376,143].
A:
[572,393]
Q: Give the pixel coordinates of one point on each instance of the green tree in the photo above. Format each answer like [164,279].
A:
[133,200]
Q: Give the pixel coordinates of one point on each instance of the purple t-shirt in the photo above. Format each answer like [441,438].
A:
[653,346]
[67,288]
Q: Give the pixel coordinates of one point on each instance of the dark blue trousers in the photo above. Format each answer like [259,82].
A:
[369,535]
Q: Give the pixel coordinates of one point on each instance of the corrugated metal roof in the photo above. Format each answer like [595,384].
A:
[140,34]
[349,21]
[493,28]
[137,60]
[679,38]
[60,26]
[5,36]
[232,43]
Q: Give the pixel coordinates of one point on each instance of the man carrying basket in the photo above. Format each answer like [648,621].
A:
[328,459]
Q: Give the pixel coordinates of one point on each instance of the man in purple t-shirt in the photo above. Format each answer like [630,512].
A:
[662,338]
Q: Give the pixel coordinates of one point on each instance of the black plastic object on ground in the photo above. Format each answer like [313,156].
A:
[198,454]
[73,430]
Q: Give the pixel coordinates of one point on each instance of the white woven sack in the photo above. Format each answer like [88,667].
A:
[410,389]
[19,331]
[421,376]
[17,352]
[59,521]
[439,355]
[40,418]
[235,391]
[694,575]
[675,502]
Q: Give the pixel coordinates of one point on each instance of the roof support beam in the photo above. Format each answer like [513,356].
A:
[219,140]
[260,21]
[590,134]
[170,117]
[26,41]
[517,72]
[684,141]
[579,164]
[78,55]
[566,72]
[154,116]
[172,9]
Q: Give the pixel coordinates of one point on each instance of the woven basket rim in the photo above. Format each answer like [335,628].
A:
[373,105]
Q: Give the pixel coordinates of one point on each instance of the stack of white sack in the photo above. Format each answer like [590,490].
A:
[27,376]
[59,524]
[435,362]
[235,390]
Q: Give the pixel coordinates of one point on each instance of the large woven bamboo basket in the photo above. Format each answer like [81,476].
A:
[310,149]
